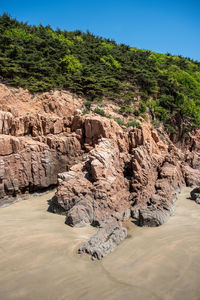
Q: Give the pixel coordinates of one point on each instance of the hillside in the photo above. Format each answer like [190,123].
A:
[40,59]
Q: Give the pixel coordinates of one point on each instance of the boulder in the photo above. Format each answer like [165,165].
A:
[195,195]
[191,175]
[109,236]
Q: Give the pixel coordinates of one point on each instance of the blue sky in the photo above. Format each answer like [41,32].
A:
[162,26]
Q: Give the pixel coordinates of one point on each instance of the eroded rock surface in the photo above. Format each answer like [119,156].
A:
[110,234]
[28,165]
[95,189]
[142,176]
[105,172]
[36,142]
[157,177]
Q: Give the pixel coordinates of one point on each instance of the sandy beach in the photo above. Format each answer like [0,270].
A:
[39,257]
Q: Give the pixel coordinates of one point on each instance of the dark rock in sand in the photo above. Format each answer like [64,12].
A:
[195,195]
[152,217]
[109,236]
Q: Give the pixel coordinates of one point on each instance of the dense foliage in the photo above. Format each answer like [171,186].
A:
[39,59]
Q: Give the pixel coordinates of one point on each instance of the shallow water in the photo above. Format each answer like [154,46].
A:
[38,257]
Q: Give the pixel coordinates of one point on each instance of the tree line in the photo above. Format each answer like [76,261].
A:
[39,59]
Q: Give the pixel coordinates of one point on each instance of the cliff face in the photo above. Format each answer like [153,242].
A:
[137,171]
[36,142]
[104,172]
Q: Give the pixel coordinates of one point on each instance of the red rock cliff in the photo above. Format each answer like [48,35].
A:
[108,170]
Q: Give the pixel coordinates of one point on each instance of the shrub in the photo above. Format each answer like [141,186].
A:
[136,113]
[126,109]
[142,107]
[72,63]
[134,124]
[162,113]
[85,111]
[87,104]
[119,121]
[99,111]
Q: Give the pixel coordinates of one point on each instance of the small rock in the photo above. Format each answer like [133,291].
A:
[109,236]
[195,195]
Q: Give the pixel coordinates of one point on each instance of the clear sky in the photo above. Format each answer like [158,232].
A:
[164,26]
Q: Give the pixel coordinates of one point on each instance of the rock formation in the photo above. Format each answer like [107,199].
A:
[139,173]
[109,236]
[156,177]
[36,142]
[95,189]
[195,195]
[104,173]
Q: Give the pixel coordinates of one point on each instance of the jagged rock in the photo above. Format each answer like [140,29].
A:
[195,195]
[6,119]
[54,103]
[191,176]
[28,165]
[109,236]
[156,181]
[36,142]
[109,177]
[97,127]
[154,216]
[192,156]
[95,189]
[107,169]
[156,176]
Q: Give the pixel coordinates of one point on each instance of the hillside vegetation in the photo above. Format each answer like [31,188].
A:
[39,59]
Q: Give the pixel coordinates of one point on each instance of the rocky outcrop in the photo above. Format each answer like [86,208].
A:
[109,236]
[28,165]
[192,147]
[20,102]
[191,176]
[32,125]
[143,176]
[105,172]
[195,195]
[156,177]
[36,142]
[94,127]
[6,119]
[95,189]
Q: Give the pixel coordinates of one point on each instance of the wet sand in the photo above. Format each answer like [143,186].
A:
[38,257]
